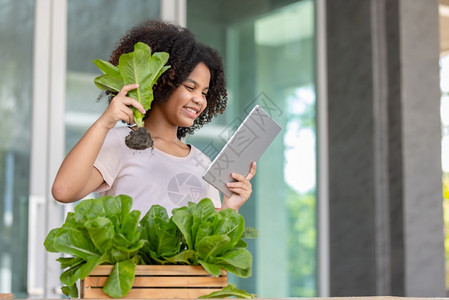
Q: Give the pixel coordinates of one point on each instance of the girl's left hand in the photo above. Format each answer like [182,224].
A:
[241,189]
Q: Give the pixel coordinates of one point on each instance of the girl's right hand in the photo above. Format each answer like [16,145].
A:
[119,109]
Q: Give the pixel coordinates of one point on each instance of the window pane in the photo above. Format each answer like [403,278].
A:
[268,50]
[93,29]
[16,34]
[444,110]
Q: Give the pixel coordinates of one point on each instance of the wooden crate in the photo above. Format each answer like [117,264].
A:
[157,281]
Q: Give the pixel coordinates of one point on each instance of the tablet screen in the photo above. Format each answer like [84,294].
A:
[245,146]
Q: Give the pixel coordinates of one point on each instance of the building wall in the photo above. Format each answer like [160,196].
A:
[385,202]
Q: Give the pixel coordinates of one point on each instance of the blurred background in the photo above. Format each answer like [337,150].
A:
[351,199]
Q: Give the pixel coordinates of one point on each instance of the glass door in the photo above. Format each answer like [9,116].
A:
[93,29]
[269,53]
[16,32]
[45,108]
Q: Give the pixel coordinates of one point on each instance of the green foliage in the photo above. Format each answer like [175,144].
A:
[446,220]
[446,186]
[106,231]
[100,231]
[139,67]
[198,235]
[302,242]
[230,291]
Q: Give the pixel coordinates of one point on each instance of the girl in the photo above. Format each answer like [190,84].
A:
[186,97]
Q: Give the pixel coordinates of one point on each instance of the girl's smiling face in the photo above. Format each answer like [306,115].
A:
[188,100]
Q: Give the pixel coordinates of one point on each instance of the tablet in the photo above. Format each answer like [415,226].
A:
[245,146]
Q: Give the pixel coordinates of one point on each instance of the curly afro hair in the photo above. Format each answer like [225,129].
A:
[185,54]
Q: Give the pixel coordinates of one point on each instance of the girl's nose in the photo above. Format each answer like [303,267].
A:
[198,99]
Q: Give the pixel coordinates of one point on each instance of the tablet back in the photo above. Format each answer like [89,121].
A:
[246,145]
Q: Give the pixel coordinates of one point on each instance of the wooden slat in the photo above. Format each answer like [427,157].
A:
[157,270]
[6,296]
[158,281]
[164,281]
[153,293]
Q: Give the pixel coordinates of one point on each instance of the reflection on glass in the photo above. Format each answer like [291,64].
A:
[268,51]
[93,29]
[16,32]
[444,110]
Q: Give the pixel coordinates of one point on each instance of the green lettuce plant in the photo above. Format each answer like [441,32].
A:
[106,231]
[99,231]
[141,67]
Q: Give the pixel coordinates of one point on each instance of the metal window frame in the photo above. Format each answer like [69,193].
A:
[174,11]
[322,149]
[47,142]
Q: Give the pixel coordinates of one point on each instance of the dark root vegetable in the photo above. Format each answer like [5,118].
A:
[139,139]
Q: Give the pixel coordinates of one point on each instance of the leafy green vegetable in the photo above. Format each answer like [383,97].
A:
[162,234]
[211,239]
[106,231]
[100,231]
[229,291]
[139,67]
[121,279]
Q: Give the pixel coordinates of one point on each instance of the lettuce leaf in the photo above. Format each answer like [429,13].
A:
[121,279]
[139,66]
[230,290]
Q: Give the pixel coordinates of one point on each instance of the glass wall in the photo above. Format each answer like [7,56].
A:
[16,34]
[268,49]
[444,86]
[93,29]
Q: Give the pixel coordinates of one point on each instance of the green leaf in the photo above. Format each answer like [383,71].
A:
[71,222]
[184,220]
[80,271]
[119,206]
[162,234]
[121,279]
[210,267]
[117,209]
[101,231]
[204,210]
[112,79]
[230,290]
[70,261]
[232,225]
[184,257]
[72,241]
[206,228]
[249,233]
[70,291]
[130,224]
[241,244]
[243,273]
[71,275]
[211,246]
[202,213]
[49,240]
[156,258]
[240,258]
[159,59]
[123,249]
[112,206]
[89,209]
